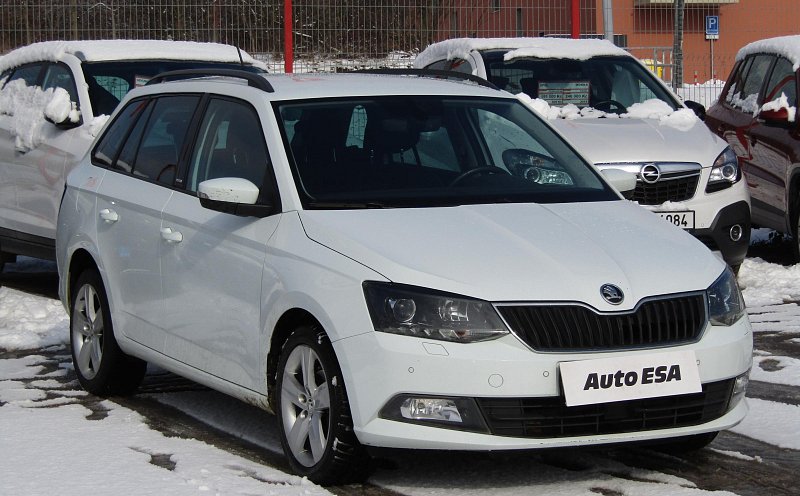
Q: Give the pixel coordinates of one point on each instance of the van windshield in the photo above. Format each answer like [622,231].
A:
[611,84]
[414,151]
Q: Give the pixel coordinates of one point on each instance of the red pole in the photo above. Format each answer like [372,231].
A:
[576,19]
[288,47]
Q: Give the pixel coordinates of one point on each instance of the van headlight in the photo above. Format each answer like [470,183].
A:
[429,314]
[725,302]
[724,172]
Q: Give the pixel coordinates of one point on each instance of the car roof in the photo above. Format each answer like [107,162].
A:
[788,46]
[124,50]
[548,48]
[309,86]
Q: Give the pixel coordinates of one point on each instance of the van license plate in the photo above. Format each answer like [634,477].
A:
[683,219]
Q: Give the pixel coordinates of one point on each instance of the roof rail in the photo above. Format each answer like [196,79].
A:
[253,79]
[432,73]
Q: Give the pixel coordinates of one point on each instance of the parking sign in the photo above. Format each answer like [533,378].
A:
[712,27]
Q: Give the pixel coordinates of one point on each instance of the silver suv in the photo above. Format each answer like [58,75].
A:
[620,116]
[54,99]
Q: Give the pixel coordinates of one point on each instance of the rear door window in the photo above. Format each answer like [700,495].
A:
[745,96]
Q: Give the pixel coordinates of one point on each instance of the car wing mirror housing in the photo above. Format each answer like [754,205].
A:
[775,116]
[698,109]
[232,195]
[622,181]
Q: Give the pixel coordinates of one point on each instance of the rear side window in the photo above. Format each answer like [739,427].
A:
[105,153]
[163,138]
[744,92]
[147,137]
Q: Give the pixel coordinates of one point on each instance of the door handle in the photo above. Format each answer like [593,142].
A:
[109,216]
[170,236]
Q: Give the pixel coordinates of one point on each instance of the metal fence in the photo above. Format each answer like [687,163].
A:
[330,35]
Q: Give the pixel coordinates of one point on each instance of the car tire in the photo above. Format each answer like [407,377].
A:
[314,421]
[687,443]
[102,367]
[795,218]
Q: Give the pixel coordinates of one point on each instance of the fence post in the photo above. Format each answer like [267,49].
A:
[288,47]
[576,18]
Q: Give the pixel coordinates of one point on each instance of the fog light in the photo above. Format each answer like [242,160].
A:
[736,232]
[451,413]
[441,409]
[739,388]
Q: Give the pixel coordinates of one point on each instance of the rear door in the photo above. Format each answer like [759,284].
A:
[143,158]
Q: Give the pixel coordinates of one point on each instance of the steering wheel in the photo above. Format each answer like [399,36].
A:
[488,169]
[611,106]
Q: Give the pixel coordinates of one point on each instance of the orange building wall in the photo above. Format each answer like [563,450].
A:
[740,23]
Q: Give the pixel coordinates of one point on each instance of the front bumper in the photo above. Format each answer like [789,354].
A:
[717,237]
[377,367]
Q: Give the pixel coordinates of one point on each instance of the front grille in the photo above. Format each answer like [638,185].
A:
[666,189]
[659,322]
[545,418]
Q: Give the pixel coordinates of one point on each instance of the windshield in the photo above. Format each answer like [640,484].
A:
[109,81]
[422,151]
[611,84]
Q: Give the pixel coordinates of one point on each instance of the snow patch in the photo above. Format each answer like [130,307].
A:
[28,106]
[31,322]
[772,422]
[60,108]
[768,284]
[682,119]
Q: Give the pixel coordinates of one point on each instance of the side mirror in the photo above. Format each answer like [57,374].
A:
[776,116]
[232,195]
[65,123]
[624,182]
[697,108]
[62,111]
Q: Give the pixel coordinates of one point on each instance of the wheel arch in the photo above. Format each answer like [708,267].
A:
[79,262]
[287,323]
[793,197]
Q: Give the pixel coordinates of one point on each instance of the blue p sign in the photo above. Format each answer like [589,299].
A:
[712,25]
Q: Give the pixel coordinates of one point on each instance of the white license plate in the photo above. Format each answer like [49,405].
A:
[683,219]
[605,380]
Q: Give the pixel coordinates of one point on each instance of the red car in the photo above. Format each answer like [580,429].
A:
[757,115]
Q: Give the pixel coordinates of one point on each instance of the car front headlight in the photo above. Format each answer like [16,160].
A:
[724,172]
[429,314]
[725,302]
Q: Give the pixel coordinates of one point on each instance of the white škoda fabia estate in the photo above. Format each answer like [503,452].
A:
[391,261]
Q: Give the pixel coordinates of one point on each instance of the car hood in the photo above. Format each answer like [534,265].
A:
[522,252]
[604,141]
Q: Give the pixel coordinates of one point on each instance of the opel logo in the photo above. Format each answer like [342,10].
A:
[650,173]
[612,294]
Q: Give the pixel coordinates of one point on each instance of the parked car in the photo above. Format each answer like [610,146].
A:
[389,261]
[686,175]
[757,115]
[54,98]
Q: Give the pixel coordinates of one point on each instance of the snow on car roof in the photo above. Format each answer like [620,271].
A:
[551,48]
[109,50]
[788,46]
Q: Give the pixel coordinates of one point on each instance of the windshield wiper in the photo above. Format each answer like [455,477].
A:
[344,205]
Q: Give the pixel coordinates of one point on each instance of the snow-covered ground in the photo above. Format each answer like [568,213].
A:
[54,441]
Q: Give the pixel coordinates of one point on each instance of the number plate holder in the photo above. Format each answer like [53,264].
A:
[621,378]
